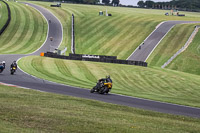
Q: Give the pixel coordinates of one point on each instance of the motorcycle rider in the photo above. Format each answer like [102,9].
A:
[4,64]
[14,64]
[108,79]
[103,80]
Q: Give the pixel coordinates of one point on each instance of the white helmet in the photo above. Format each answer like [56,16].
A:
[3,62]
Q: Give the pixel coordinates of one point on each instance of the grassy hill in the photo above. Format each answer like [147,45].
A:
[150,83]
[26,31]
[25,110]
[117,35]
[3,14]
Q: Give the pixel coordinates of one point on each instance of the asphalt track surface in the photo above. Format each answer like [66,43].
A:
[55,30]
[152,41]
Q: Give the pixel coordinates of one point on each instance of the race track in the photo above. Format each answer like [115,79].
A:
[151,42]
[55,30]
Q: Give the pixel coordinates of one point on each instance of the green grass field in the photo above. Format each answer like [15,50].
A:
[26,31]
[25,110]
[151,83]
[3,14]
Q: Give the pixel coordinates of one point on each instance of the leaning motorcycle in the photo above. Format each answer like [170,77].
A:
[105,88]
[12,70]
[1,69]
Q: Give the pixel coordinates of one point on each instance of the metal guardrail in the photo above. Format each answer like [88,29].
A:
[96,58]
[183,48]
[63,51]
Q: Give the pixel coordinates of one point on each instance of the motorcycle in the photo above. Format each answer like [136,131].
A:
[1,69]
[105,87]
[12,70]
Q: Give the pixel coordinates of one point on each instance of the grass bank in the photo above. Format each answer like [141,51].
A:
[25,110]
[151,83]
[26,32]
[3,14]
[189,60]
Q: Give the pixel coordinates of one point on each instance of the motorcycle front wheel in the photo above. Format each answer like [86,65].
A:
[92,91]
[105,90]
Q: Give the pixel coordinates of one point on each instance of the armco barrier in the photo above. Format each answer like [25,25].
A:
[99,56]
[8,20]
[95,58]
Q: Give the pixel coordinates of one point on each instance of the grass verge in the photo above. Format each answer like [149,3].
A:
[25,110]
[151,83]
[3,14]
[189,60]
[26,32]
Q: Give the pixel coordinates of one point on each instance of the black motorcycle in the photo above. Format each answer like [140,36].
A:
[12,70]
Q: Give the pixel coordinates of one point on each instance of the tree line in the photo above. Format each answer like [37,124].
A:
[106,2]
[182,4]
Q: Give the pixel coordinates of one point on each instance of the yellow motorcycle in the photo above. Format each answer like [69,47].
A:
[102,87]
[12,70]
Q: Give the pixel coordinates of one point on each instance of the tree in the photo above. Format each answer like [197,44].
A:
[149,3]
[90,1]
[115,2]
[141,3]
[106,2]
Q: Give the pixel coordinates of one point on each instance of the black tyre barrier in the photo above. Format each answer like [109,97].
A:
[94,58]
[8,20]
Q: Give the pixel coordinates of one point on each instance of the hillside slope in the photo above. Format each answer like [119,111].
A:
[25,110]
[189,60]
[26,31]
[150,83]
[3,14]
[117,35]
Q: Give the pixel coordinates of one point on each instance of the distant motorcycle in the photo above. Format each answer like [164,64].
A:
[105,87]
[2,67]
[12,70]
